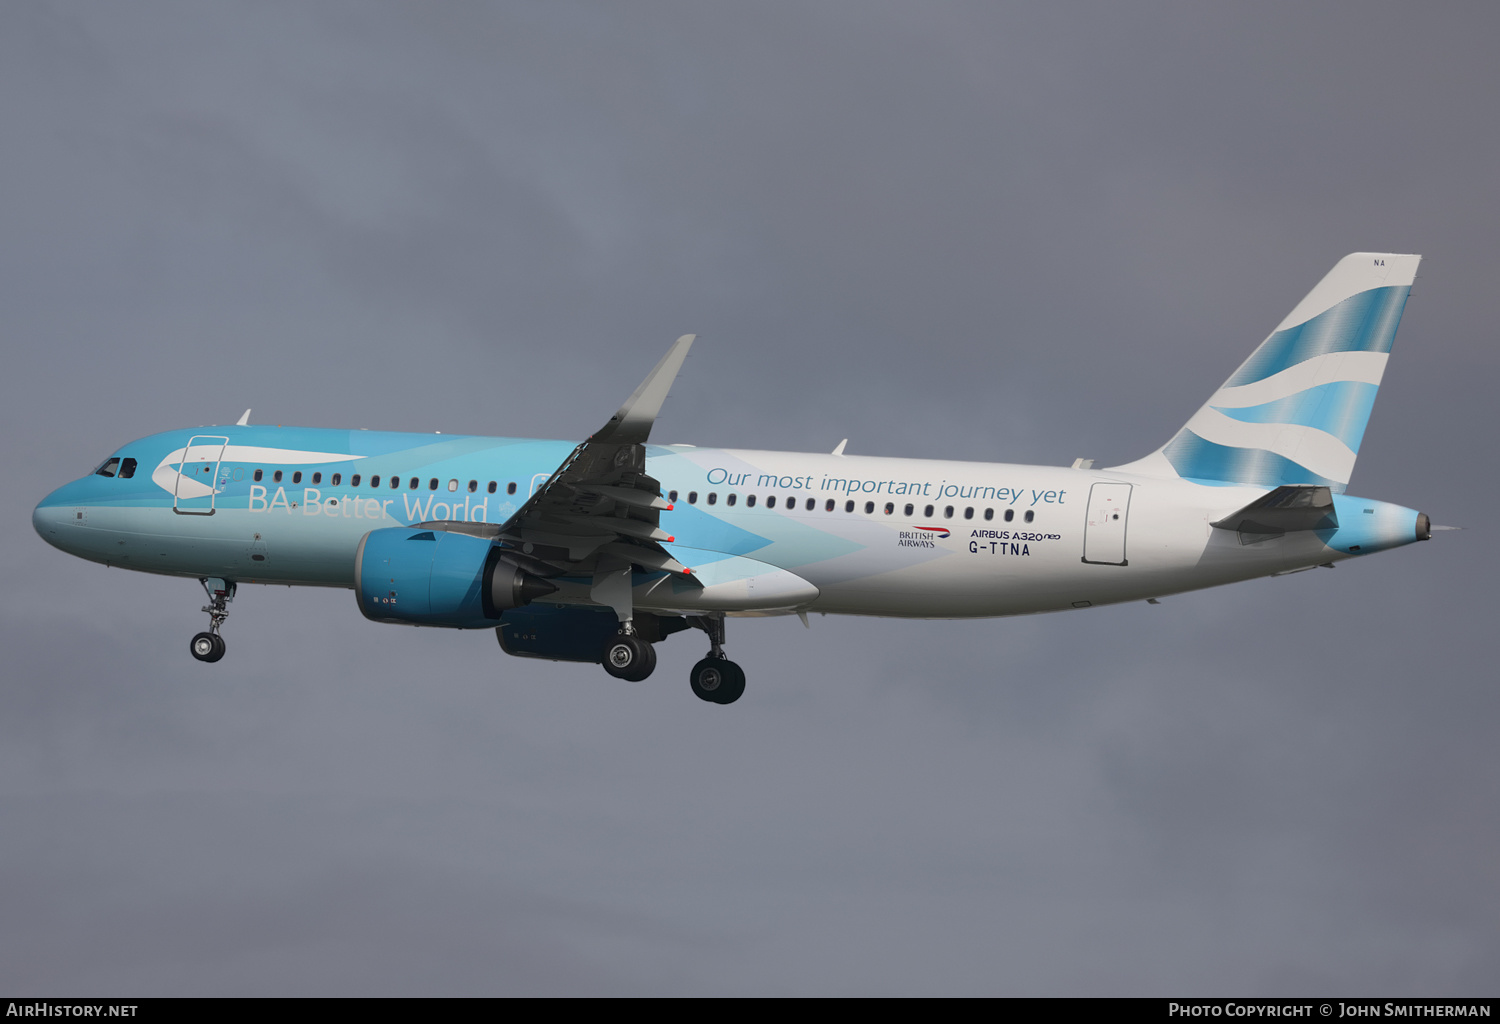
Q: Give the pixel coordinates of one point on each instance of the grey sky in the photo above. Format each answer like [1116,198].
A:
[1023,233]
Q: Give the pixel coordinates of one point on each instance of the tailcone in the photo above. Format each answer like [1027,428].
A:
[1367,526]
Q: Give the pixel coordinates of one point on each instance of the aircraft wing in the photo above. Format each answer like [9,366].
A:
[599,511]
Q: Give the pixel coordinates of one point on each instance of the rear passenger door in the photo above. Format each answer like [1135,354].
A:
[1104,531]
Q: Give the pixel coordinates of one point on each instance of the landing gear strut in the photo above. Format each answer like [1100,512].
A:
[626,655]
[716,679]
[209,646]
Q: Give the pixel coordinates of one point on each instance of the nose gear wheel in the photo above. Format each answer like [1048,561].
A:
[209,646]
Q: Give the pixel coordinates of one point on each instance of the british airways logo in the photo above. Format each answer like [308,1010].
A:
[921,536]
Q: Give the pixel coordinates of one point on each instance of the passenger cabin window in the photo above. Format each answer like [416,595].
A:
[771,501]
[729,500]
[353,480]
[869,508]
[890,507]
[812,503]
[989,513]
[297,477]
[432,484]
[276,477]
[396,483]
[510,488]
[713,498]
[492,487]
[928,512]
[828,507]
[692,497]
[672,496]
[910,509]
[110,467]
[127,469]
[414,483]
[1010,514]
[1030,515]
[317,478]
[968,513]
[473,486]
[258,474]
[948,512]
[337,477]
[750,501]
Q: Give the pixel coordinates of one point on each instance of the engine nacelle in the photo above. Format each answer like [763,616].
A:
[557,633]
[572,633]
[437,578]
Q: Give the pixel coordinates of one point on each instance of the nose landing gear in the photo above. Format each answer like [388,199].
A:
[209,646]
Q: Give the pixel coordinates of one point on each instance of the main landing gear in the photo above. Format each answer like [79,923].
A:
[209,646]
[627,656]
[716,679]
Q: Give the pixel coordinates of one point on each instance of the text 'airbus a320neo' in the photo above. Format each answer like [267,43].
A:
[597,551]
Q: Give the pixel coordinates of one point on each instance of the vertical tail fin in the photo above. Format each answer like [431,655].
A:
[1296,410]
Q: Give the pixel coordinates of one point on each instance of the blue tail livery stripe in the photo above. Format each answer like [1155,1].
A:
[1341,408]
[1196,458]
[1295,412]
[1361,323]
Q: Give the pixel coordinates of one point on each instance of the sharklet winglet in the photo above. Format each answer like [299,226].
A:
[632,424]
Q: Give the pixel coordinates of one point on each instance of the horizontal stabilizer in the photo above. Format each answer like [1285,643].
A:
[1284,510]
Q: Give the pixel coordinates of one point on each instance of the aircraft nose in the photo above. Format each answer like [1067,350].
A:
[46,520]
[50,518]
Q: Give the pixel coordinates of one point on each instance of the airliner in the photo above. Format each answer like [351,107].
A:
[595,552]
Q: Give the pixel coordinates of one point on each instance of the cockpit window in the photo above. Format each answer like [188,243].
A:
[109,467]
[127,469]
